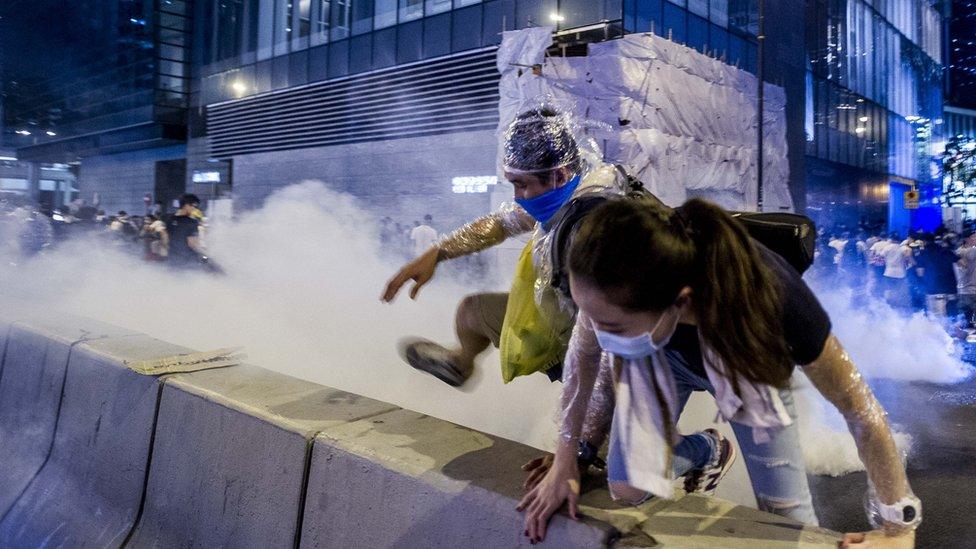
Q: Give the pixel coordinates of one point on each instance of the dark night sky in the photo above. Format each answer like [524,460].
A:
[962,54]
[50,50]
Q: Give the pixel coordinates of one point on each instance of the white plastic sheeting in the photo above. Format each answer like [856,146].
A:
[681,121]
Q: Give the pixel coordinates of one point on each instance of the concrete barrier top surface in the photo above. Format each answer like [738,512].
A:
[695,521]
[70,329]
[291,403]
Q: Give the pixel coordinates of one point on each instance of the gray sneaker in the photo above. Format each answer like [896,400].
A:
[434,359]
[706,479]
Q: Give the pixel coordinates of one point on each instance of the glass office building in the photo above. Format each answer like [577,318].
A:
[874,106]
[282,85]
[865,97]
[101,77]
[283,90]
[101,87]
[249,47]
[961,55]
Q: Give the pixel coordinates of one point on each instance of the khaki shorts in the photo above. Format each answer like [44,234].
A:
[490,312]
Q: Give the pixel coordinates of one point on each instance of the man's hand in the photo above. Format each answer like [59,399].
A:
[537,469]
[878,539]
[420,270]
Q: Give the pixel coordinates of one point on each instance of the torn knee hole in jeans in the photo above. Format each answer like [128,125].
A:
[773,504]
[769,462]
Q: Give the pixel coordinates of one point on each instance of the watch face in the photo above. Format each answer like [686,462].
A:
[908,513]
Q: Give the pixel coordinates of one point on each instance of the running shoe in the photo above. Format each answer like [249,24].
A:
[706,479]
[434,359]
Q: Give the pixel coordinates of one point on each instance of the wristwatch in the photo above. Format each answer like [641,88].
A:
[589,455]
[906,512]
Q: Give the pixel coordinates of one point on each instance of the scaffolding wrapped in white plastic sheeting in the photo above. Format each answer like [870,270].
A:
[683,122]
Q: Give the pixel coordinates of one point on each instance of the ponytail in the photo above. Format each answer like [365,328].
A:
[642,254]
[736,297]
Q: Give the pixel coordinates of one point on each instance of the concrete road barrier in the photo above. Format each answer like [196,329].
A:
[228,466]
[35,358]
[404,479]
[89,490]
[94,455]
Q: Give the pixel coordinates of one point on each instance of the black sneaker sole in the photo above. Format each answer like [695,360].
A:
[442,370]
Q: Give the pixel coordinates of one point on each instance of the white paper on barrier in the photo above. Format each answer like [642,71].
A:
[683,122]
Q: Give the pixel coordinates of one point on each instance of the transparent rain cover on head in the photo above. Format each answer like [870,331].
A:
[539,141]
[551,132]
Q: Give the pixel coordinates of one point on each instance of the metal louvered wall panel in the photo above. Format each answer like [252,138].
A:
[433,97]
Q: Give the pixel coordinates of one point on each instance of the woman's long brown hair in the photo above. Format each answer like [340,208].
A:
[642,254]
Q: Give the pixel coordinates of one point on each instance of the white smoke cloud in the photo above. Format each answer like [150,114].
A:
[301,295]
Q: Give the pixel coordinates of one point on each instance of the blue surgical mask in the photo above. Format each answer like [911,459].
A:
[544,206]
[632,347]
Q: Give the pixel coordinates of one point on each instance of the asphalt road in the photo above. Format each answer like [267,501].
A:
[941,467]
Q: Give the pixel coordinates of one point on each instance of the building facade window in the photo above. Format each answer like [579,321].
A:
[362,16]
[230,29]
[876,83]
[341,19]
[411,9]
[386,13]
[266,13]
[321,10]
[437,6]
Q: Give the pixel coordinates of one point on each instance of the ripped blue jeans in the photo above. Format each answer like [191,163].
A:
[776,468]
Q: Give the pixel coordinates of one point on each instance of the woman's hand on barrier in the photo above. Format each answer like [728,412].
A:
[420,270]
[560,484]
[537,469]
[878,539]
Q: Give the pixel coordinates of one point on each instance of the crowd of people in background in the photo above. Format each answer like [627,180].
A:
[175,238]
[923,271]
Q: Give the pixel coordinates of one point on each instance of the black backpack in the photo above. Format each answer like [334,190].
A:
[792,236]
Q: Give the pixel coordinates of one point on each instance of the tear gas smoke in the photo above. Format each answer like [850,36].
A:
[303,276]
[301,295]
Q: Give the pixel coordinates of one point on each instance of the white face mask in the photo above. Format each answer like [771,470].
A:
[633,347]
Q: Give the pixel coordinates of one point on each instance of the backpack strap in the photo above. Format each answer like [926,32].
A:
[563,227]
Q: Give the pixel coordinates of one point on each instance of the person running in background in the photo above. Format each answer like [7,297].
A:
[876,247]
[966,275]
[898,259]
[935,270]
[839,244]
[156,238]
[423,237]
[183,228]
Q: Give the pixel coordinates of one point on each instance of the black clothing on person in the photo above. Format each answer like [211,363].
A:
[180,229]
[936,262]
[806,325]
